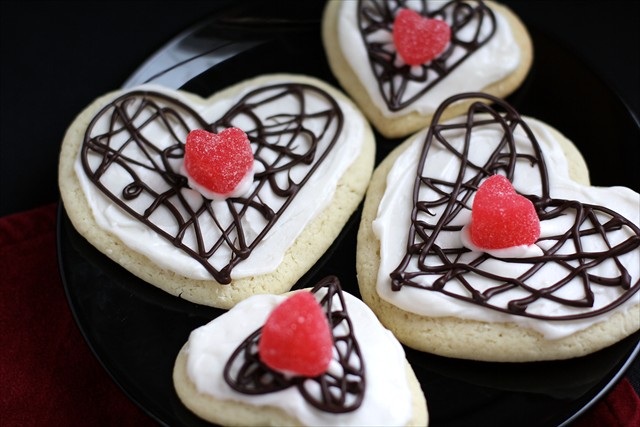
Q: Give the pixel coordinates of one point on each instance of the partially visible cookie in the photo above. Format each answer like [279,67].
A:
[490,50]
[122,183]
[220,376]
[573,292]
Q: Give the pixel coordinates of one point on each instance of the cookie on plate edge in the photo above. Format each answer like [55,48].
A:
[458,275]
[224,373]
[127,189]
[400,60]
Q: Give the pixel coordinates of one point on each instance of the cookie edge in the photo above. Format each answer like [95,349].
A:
[403,125]
[470,339]
[299,259]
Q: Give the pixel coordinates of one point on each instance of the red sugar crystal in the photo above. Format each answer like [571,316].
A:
[501,218]
[419,39]
[296,337]
[218,162]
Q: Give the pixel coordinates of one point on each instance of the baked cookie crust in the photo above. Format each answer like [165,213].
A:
[399,126]
[470,339]
[310,245]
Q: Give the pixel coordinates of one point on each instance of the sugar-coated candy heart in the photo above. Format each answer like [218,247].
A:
[218,162]
[419,39]
[296,338]
[502,218]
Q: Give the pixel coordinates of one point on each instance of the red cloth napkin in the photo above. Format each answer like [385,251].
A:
[49,375]
[51,378]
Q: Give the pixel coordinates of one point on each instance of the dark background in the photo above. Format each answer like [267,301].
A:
[58,56]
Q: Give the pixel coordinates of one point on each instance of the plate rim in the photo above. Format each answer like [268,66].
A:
[61,217]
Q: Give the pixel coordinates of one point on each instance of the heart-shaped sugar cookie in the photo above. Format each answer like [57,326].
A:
[399,60]
[220,375]
[575,290]
[123,179]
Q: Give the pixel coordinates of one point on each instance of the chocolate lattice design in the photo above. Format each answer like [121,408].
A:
[336,392]
[393,75]
[121,137]
[454,271]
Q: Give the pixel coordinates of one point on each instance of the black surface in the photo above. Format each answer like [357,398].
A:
[58,56]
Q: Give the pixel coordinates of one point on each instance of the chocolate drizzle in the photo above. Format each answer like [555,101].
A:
[393,76]
[142,134]
[453,271]
[335,392]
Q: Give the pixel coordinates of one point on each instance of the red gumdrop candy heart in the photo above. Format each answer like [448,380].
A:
[296,338]
[218,162]
[502,218]
[419,39]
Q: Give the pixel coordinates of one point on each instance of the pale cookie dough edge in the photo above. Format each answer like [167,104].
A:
[468,339]
[394,127]
[309,247]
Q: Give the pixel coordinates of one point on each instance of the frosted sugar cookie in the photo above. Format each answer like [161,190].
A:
[225,374]
[443,285]
[399,60]
[302,164]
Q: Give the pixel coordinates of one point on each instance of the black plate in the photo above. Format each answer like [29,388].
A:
[136,330]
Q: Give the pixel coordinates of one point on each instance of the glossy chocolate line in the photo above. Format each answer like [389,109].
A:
[444,264]
[280,133]
[247,374]
[379,15]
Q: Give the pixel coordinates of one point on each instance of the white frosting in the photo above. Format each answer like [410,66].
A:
[240,190]
[520,251]
[387,398]
[314,196]
[495,60]
[393,220]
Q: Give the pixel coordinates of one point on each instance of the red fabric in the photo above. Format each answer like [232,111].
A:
[49,376]
[619,408]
